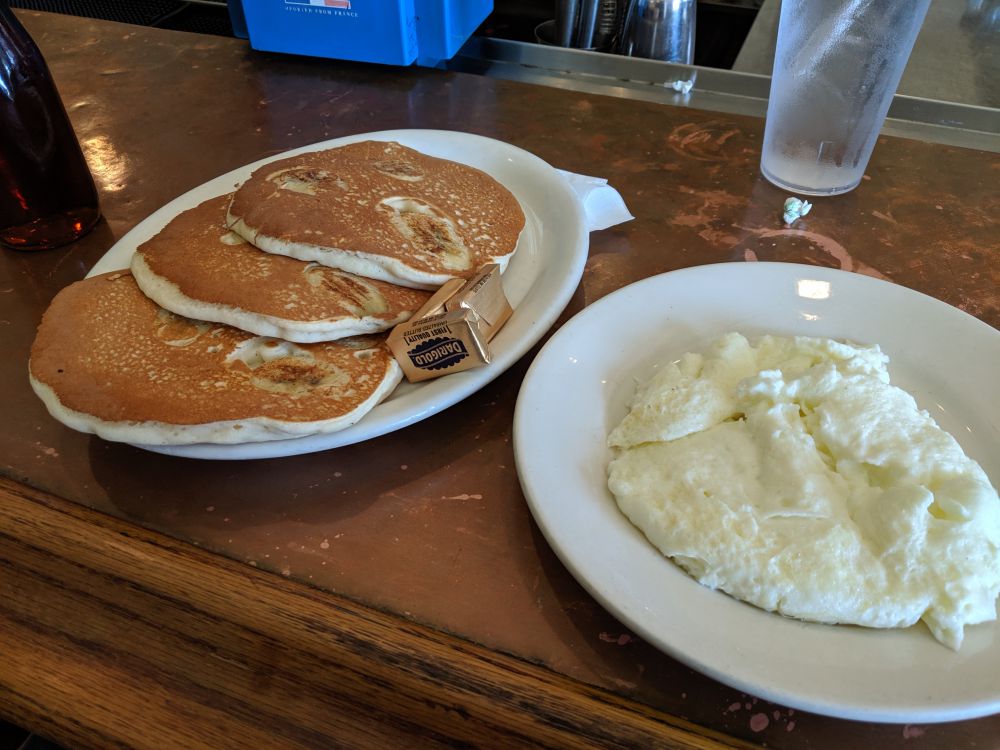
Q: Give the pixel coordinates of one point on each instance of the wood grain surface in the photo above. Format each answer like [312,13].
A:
[162,644]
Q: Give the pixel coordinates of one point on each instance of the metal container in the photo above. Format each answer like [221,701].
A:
[663,30]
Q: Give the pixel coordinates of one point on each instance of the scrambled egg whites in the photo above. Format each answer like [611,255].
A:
[790,474]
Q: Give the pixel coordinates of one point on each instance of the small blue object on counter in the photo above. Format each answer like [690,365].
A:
[393,32]
[795,209]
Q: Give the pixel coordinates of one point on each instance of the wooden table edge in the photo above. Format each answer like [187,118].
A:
[359,676]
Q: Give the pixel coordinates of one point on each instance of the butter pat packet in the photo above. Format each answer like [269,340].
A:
[451,332]
[483,294]
[435,305]
[439,345]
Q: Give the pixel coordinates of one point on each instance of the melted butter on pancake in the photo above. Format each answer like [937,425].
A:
[354,293]
[305,180]
[231,238]
[175,330]
[298,377]
[282,367]
[400,169]
[361,343]
[259,350]
[430,232]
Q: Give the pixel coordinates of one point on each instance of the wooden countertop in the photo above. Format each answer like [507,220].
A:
[396,590]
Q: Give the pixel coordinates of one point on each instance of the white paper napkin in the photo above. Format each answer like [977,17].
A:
[602,204]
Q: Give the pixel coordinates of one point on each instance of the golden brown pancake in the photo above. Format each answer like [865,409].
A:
[107,360]
[381,210]
[197,268]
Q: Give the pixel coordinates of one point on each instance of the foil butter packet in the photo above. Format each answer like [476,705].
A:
[483,294]
[439,345]
[451,332]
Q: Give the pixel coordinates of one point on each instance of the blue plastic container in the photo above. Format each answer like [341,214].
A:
[445,25]
[238,19]
[394,32]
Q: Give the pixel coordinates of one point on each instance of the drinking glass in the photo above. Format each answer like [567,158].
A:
[836,68]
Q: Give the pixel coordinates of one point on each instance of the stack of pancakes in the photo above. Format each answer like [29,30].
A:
[262,315]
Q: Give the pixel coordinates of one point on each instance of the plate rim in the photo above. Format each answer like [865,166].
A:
[883,712]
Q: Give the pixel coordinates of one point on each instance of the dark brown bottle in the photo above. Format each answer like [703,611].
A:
[47,194]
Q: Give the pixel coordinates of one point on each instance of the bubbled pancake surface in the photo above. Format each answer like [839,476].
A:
[381,210]
[108,360]
[197,268]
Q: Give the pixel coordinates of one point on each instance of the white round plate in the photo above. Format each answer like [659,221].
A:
[576,390]
[539,280]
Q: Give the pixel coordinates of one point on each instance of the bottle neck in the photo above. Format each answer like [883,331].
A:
[18,50]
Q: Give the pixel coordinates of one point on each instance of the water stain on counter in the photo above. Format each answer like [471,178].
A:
[817,244]
[760,718]
[716,228]
[704,141]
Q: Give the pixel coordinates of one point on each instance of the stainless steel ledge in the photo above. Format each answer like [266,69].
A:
[714,89]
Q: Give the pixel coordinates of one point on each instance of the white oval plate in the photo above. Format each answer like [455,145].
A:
[576,390]
[539,281]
